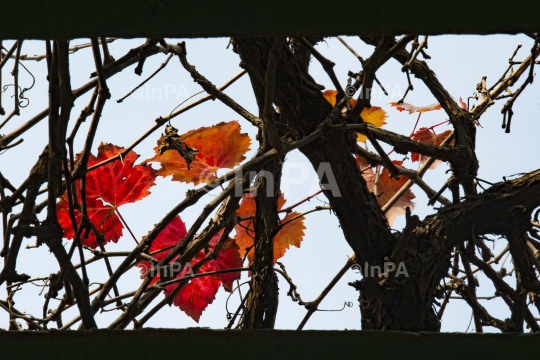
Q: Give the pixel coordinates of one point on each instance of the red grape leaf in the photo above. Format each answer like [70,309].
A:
[291,234]
[194,297]
[101,215]
[411,108]
[116,183]
[119,182]
[428,136]
[171,235]
[229,259]
[220,146]
[387,188]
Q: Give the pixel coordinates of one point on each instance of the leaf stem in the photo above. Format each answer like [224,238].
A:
[415,125]
[126,225]
[290,208]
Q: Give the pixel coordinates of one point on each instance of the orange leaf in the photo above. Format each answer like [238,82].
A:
[330,96]
[374,115]
[387,188]
[411,108]
[290,234]
[428,136]
[220,146]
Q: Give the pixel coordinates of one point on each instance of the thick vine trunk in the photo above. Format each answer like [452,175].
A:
[302,107]
[262,303]
[404,300]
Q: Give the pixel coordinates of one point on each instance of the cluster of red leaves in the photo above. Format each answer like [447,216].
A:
[291,233]
[220,146]
[426,135]
[194,297]
[412,109]
[387,187]
[107,188]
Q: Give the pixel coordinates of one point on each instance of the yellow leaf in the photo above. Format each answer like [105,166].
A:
[374,115]
[330,96]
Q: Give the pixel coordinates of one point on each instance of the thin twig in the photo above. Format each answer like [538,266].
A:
[361,62]
[327,65]
[210,88]
[410,182]
[15,74]
[314,304]
[162,66]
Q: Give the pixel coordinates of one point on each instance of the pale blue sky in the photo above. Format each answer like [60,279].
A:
[458,61]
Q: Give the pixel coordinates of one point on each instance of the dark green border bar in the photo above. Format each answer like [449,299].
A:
[219,344]
[61,19]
